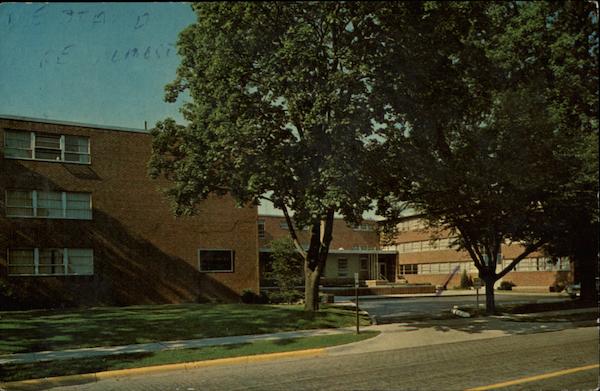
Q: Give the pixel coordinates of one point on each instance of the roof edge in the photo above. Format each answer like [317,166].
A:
[69,123]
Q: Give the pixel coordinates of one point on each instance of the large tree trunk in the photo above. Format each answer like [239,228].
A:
[314,262]
[586,267]
[585,258]
[490,304]
[311,288]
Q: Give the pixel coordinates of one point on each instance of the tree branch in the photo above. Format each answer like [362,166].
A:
[528,250]
[292,230]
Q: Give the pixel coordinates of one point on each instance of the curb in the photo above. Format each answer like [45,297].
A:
[45,383]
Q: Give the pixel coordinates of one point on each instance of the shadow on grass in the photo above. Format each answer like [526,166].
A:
[28,331]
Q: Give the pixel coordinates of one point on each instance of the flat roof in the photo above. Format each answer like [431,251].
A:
[69,123]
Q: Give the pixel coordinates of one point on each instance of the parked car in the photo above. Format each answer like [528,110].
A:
[574,290]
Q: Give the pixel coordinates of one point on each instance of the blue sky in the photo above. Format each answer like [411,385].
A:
[93,63]
[97,63]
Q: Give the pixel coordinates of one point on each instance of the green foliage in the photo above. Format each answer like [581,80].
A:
[466,281]
[285,297]
[506,286]
[250,297]
[287,269]
[280,105]
[281,108]
[491,128]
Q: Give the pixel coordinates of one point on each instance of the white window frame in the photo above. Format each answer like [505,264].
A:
[32,137]
[363,227]
[345,271]
[261,233]
[36,263]
[34,201]
[231,257]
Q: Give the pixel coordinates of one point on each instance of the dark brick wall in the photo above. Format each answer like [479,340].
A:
[142,253]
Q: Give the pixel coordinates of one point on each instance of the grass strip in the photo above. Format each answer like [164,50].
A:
[15,372]
[42,330]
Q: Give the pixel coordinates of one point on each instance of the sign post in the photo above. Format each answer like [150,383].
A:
[477,285]
[356,292]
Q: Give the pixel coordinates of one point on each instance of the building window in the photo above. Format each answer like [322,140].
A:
[21,261]
[48,147]
[216,260]
[19,203]
[362,227]
[50,261]
[284,225]
[48,204]
[261,229]
[17,145]
[342,267]
[78,206]
[408,269]
[364,264]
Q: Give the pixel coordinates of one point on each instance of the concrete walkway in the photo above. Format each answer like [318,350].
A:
[19,358]
[393,336]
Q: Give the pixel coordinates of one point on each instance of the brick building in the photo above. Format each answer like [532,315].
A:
[352,250]
[422,260]
[82,223]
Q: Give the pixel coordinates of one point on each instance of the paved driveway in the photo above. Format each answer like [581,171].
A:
[388,310]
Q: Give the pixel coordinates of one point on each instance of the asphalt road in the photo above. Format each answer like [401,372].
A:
[390,310]
[452,366]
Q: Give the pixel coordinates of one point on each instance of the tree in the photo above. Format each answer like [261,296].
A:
[281,109]
[480,135]
[287,267]
[564,40]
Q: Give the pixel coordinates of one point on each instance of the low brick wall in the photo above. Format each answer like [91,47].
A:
[380,290]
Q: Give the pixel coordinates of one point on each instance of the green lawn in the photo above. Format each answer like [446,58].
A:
[15,372]
[29,331]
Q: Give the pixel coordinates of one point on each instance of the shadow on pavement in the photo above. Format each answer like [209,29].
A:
[483,324]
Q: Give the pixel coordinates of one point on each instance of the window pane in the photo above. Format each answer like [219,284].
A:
[342,267]
[47,141]
[20,257]
[77,149]
[261,229]
[80,261]
[19,203]
[47,154]
[79,206]
[26,269]
[76,144]
[20,261]
[51,261]
[17,144]
[49,204]
[216,260]
[77,158]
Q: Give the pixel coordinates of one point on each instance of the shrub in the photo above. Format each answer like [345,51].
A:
[506,285]
[250,297]
[466,281]
[288,297]
[287,269]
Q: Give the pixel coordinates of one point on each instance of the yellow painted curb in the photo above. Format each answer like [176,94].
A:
[36,384]
[42,384]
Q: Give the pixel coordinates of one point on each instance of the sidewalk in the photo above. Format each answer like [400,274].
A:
[20,358]
[433,332]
